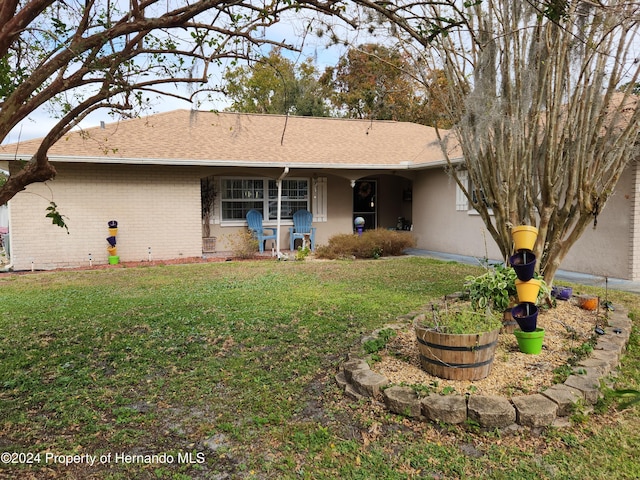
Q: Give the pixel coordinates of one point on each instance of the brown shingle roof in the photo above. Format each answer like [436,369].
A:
[209,138]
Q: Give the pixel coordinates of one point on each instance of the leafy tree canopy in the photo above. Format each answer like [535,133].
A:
[76,57]
[275,84]
[373,81]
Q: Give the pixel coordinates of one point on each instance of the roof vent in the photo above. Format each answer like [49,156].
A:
[102,124]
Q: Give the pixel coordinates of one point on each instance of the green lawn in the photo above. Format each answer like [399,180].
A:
[227,369]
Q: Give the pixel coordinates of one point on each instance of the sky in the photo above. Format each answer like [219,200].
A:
[41,121]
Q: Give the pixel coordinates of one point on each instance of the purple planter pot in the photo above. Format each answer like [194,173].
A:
[526,314]
[561,293]
[524,263]
[112,241]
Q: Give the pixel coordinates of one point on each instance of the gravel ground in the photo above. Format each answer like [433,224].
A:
[566,327]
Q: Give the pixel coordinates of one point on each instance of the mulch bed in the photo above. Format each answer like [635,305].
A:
[566,326]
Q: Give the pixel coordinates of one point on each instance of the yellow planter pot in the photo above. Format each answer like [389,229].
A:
[112,251]
[524,237]
[113,232]
[528,291]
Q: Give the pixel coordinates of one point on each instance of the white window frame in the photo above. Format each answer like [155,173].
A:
[462,202]
[265,199]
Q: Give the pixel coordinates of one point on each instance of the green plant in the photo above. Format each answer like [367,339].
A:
[423,390]
[302,253]
[380,342]
[561,373]
[494,289]
[545,291]
[629,395]
[462,319]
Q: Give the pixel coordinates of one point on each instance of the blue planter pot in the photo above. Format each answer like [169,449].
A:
[561,293]
[526,314]
[524,263]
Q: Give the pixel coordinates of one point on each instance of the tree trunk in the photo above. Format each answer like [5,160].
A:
[545,133]
[31,173]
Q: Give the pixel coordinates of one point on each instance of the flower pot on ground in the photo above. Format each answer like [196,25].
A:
[114,260]
[526,315]
[587,302]
[530,342]
[524,237]
[528,291]
[457,343]
[561,293]
[524,264]
[209,244]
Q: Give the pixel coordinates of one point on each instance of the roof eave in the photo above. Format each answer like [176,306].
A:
[232,163]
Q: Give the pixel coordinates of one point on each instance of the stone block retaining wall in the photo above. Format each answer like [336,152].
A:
[537,410]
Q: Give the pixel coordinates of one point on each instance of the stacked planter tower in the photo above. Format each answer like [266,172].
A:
[523,261]
[114,259]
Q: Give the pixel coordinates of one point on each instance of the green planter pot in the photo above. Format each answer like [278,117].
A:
[114,259]
[530,342]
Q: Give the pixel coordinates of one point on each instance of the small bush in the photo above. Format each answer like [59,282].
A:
[371,244]
[243,244]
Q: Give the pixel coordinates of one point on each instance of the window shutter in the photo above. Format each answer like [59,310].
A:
[462,203]
[319,200]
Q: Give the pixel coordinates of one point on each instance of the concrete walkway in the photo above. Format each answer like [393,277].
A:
[561,275]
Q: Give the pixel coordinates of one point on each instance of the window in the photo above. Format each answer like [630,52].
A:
[239,195]
[462,202]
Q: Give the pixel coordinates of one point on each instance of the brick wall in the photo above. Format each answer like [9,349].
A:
[156,207]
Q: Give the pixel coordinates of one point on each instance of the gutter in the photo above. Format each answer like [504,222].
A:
[405,165]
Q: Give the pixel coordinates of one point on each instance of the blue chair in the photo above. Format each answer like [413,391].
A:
[302,226]
[254,220]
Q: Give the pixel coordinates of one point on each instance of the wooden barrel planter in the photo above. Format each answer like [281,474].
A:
[509,323]
[456,356]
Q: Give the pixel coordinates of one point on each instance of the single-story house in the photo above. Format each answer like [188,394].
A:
[148,175]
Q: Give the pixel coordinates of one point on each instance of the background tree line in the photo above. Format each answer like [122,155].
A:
[370,81]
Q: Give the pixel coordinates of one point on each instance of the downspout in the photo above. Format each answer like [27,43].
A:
[279,183]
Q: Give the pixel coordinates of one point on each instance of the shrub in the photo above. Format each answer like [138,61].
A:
[493,289]
[371,244]
[243,244]
[496,288]
[461,319]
